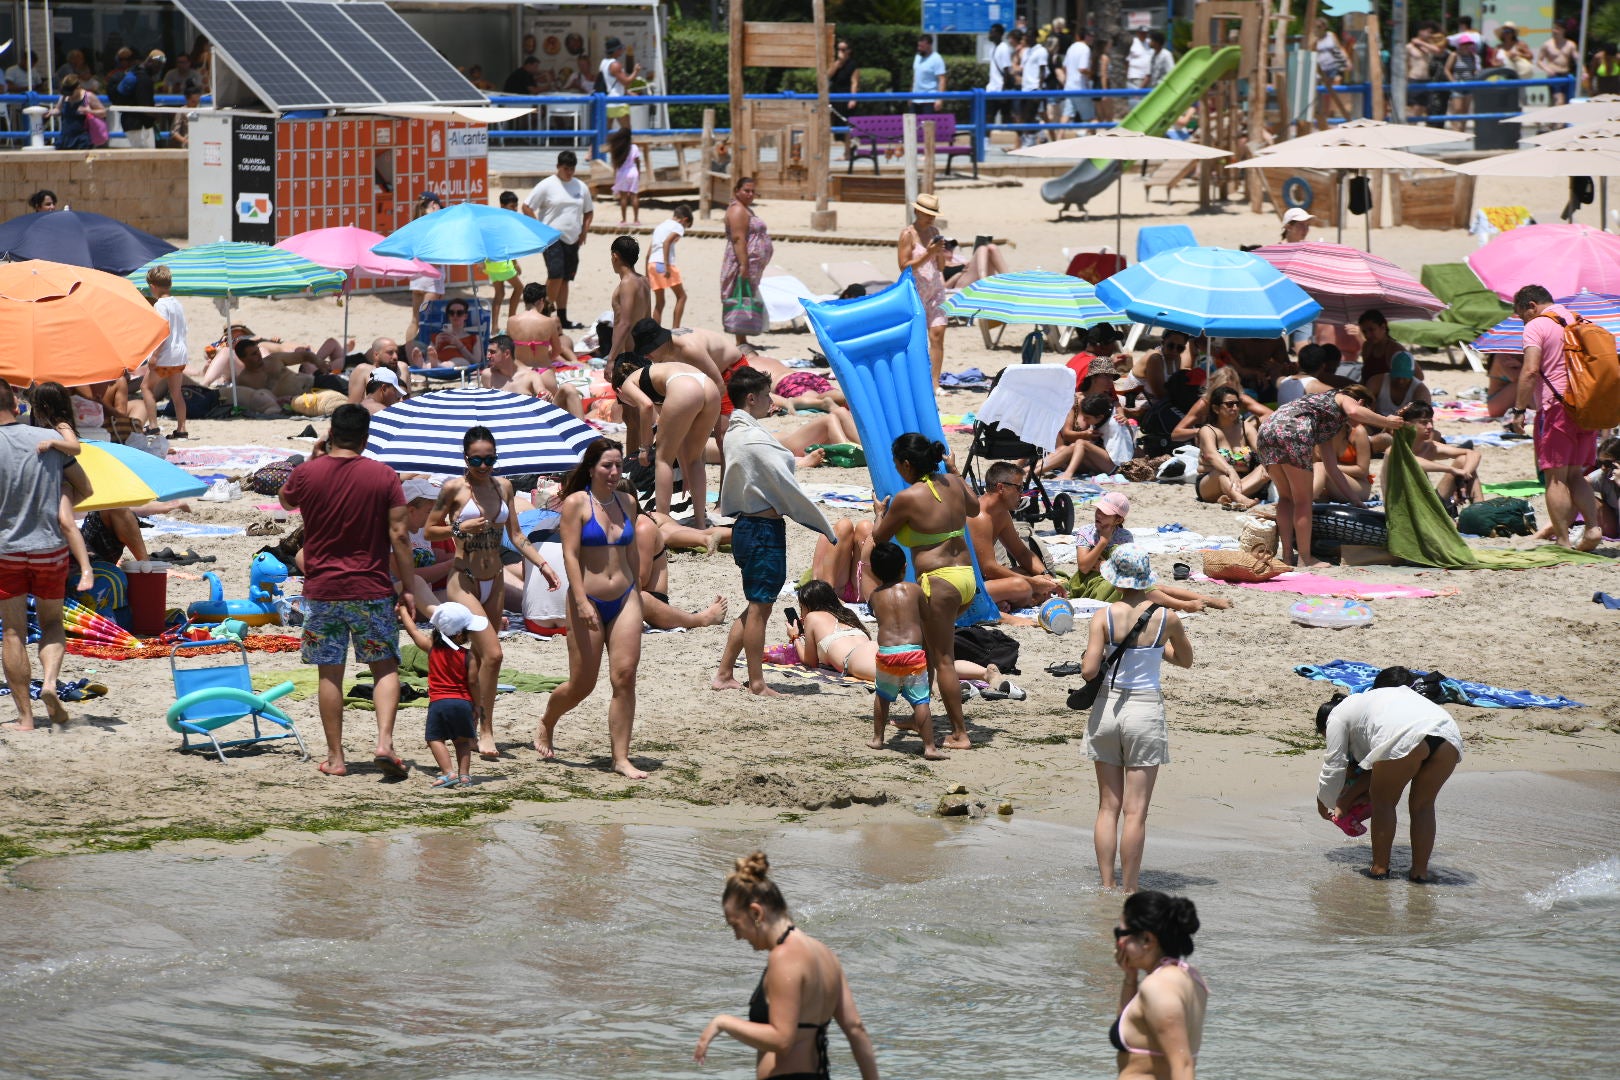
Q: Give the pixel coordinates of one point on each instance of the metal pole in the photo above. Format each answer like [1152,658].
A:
[1580,53]
[1119,213]
[909,142]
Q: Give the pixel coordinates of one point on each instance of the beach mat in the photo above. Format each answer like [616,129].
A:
[1297,581]
[1516,489]
[227,458]
[1355,677]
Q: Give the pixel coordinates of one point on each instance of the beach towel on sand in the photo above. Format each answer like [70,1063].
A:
[1355,677]
[1296,581]
[1421,532]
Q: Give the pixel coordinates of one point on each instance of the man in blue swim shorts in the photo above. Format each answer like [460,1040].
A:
[759,491]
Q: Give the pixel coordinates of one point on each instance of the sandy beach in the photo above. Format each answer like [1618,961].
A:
[1240,718]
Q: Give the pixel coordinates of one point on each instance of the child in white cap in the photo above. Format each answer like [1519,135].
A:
[452,669]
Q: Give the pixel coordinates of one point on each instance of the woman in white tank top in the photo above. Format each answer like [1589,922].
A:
[1127,736]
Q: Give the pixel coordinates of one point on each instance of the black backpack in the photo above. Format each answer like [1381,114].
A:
[985,645]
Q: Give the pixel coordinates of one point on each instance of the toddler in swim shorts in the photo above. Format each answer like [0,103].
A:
[902,665]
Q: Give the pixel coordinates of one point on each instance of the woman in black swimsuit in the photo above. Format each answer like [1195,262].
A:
[800,992]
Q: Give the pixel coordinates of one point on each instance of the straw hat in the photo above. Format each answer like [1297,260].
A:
[927,204]
[1128,567]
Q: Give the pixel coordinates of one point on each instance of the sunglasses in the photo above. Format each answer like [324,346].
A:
[457,311]
[1122,932]
[481,461]
[1230,403]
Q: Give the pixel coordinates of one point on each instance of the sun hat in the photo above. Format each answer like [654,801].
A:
[1115,504]
[451,618]
[1297,213]
[611,45]
[1401,365]
[386,377]
[927,204]
[1128,567]
[1103,365]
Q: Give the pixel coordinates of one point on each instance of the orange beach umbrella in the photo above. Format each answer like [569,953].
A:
[72,325]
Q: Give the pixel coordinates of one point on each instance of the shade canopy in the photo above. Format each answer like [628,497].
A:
[1209,290]
[1602,129]
[1601,107]
[125,476]
[423,434]
[469,233]
[1371,133]
[1121,144]
[1564,259]
[1347,281]
[1033,297]
[237,269]
[72,325]
[80,238]
[348,248]
[1337,151]
[1507,336]
[1583,155]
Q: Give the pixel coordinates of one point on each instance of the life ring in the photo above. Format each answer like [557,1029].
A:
[1297,193]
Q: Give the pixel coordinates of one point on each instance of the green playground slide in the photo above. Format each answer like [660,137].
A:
[1189,80]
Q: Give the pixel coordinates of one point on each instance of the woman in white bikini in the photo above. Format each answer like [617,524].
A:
[1161,1013]
[474,509]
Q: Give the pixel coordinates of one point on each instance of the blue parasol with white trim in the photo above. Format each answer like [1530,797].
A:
[1208,290]
[424,433]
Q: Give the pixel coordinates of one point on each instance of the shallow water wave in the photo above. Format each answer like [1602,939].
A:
[526,949]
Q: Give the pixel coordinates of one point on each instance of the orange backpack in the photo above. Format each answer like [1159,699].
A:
[1592,397]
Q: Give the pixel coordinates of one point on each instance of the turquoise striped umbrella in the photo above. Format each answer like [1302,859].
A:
[237,269]
[1033,298]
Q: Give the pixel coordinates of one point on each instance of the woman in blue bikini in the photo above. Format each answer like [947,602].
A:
[598,531]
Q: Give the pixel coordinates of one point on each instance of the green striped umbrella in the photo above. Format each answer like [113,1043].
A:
[1034,298]
[237,269]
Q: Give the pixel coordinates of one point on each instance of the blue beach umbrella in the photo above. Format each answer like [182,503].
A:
[231,269]
[1507,336]
[80,238]
[1207,290]
[423,434]
[1033,297]
[468,233]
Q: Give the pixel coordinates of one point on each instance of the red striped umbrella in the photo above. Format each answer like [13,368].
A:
[1347,281]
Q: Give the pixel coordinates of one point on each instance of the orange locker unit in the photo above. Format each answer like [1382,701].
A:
[368,172]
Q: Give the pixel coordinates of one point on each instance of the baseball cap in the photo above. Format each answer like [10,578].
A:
[451,618]
[385,376]
[610,44]
[417,488]
[430,196]
[1297,213]
[155,54]
[1401,365]
[1115,504]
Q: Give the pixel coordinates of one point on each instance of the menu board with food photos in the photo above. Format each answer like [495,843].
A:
[563,45]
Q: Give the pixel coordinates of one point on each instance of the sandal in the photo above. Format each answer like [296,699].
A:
[446,780]
[1065,670]
[264,528]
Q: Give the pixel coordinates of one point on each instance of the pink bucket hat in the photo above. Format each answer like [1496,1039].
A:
[1114,504]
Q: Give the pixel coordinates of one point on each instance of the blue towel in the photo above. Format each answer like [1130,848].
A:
[971,377]
[1355,677]
[1610,602]
[531,522]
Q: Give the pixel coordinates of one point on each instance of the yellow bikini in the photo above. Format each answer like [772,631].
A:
[959,578]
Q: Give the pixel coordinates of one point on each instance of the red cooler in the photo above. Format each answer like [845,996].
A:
[148,597]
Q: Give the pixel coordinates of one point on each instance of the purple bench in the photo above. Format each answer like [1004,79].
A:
[869,135]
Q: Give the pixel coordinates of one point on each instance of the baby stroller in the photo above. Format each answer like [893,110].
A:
[1020,421]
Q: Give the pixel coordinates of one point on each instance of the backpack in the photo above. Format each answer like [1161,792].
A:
[600,86]
[985,645]
[1592,397]
[1497,517]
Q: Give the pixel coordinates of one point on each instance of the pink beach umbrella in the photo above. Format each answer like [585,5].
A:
[348,248]
[1567,259]
[1347,281]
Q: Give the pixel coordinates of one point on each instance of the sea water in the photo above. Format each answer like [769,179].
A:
[975,948]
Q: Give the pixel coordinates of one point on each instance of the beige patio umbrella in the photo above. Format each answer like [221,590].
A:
[1584,154]
[1367,132]
[1602,129]
[1340,151]
[1586,111]
[1119,144]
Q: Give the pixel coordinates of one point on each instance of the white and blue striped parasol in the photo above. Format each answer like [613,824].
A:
[1200,290]
[423,434]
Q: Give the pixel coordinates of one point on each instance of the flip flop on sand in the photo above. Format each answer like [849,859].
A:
[445,780]
[1005,692]
[392,765]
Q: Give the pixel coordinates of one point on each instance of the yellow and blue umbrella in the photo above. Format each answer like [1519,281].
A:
[124,476]
[238,269]
[1032,298]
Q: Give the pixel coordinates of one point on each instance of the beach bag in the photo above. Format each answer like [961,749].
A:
[1497,517]
[1085,696]
[746,304]
[1259,534]
[985,645]
[1592,398]
[270,479]
[96,128]
[1242,566]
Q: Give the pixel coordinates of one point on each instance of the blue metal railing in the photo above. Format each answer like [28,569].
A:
[31,98]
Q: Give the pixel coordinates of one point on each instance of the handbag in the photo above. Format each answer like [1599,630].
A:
[96,128]
[1083,697]
[745,302]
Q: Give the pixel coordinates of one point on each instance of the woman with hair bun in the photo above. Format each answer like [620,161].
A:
[1161,1013]
[930,517]
[800,992]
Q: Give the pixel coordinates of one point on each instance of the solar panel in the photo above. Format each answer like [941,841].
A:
[303,55]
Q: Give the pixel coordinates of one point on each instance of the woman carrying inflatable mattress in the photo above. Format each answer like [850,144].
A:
[930,517]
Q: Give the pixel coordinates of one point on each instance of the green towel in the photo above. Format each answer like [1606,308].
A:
[306,680]
[1421,532]
[1516,489]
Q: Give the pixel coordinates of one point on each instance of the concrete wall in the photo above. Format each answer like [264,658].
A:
[143,188]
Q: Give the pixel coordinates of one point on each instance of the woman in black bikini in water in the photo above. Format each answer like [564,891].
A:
[1161,1013]
[801,991]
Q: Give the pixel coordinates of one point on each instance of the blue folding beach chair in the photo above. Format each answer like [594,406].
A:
[1154,240]
[210,698]
[433,320]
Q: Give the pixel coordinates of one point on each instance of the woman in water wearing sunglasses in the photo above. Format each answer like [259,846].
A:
[1161,1004]
[474,509]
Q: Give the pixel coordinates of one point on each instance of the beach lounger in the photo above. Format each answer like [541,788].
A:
[212,697]
[433,320]
[1471,309]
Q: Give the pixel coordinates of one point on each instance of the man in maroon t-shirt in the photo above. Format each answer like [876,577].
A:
[355,519]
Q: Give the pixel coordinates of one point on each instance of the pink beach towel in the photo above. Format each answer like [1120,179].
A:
[1296,581]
